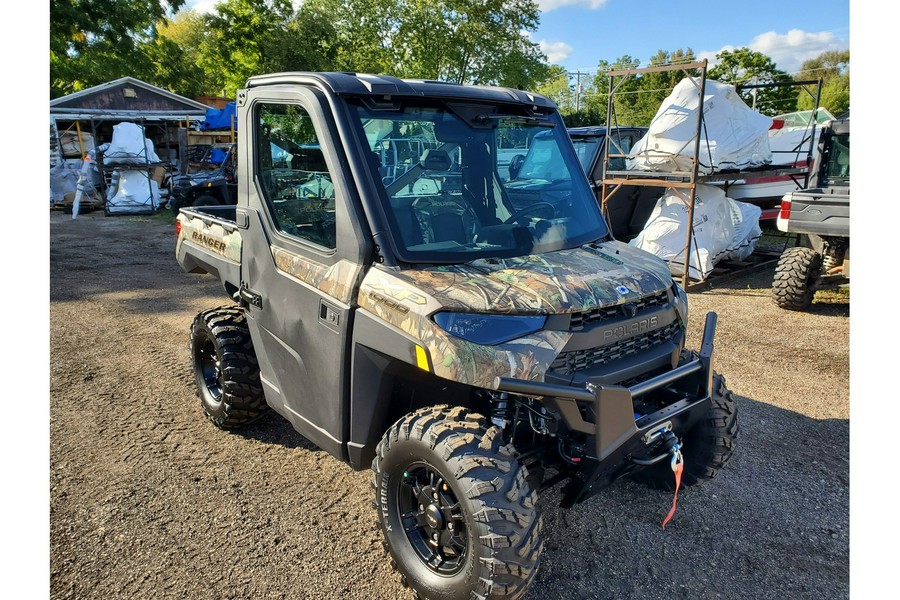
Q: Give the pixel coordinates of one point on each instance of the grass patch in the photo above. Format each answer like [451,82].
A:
[840,295]
[164,216]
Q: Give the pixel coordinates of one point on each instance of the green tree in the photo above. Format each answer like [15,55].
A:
[94,41]
[363,33]
[561,87]
[745,66]
[461,41]
[833,67]
[627,111]
[558,88]
[176,52]
[305,43]
[239,31]
[654,87]
[488,46]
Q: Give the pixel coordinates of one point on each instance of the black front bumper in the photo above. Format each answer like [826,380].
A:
[605,413]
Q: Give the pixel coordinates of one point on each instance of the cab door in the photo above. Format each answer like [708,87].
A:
[302,260]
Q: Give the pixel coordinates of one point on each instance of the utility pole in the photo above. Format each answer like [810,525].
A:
[754,93]
[578,91]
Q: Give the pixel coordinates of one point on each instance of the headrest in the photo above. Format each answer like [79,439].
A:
[435,160]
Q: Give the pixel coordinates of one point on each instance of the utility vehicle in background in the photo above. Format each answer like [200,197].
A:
[821,215]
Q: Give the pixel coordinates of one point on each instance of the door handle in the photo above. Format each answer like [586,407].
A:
[247,297]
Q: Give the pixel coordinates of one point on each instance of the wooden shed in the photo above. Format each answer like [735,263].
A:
[81,120]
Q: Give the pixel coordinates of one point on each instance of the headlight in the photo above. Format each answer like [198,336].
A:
[488,330]
[681,303]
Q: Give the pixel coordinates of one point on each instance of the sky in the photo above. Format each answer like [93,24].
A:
[577,34]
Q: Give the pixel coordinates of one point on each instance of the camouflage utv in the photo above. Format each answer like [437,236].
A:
[473,338]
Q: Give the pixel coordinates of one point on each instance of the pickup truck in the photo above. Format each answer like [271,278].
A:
[472,342]
[821,216]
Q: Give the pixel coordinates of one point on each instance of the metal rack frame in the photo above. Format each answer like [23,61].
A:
[146,168]
[684,183]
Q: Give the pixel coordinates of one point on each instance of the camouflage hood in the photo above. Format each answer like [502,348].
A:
[554,282]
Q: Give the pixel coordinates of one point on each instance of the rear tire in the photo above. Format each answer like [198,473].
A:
[795,276]
[444,472]
[707,446]
[226,371]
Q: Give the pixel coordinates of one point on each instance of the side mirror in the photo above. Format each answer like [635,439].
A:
[515,165]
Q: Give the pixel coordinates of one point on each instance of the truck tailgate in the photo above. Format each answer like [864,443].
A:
[818,211]
[209,242]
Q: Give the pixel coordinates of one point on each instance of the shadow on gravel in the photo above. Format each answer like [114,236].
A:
[829,303]
[773,524]
[276,430]
[136,265]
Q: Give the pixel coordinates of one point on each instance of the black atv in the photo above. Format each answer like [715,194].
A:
[214,182]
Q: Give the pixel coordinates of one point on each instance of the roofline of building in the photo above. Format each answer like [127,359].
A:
[131,115]
[131,81]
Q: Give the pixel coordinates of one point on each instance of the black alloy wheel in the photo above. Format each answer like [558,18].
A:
[432,519]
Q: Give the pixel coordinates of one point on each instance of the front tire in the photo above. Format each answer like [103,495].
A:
[707,446]
[459,519]
[226,371]
[798,269]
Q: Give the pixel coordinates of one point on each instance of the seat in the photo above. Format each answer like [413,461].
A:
[449,227]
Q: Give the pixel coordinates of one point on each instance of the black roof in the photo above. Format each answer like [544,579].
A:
[361,84]
[599,130]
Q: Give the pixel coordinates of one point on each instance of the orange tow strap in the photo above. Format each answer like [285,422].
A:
[677,467]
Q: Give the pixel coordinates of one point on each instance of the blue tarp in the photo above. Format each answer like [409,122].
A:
[217,156]
[219,119]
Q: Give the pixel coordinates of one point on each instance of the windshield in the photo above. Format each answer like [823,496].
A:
[837,158]
[447,200]
[585,147]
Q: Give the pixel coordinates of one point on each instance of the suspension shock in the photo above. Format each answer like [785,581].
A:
[500,410]
[833,254]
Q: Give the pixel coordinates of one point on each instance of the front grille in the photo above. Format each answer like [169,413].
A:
[578,360]
[629,309]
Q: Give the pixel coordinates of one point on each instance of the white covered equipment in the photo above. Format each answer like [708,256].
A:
[129,146]
[723,229]
[135,192]
[737,136]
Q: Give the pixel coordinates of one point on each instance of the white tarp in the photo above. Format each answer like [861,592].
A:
[737,135]
[71,146]
[723,229]
[129,146]
[63,180]
[135,193]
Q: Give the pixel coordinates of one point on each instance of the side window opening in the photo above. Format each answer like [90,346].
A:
[619,145]
[292,171]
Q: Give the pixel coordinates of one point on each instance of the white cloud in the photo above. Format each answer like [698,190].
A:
[788,50]
[556,52]
[548,5]
[202,6]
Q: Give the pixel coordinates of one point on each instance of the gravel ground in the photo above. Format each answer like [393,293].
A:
[149,500]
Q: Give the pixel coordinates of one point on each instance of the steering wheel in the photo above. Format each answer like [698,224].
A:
[530,209]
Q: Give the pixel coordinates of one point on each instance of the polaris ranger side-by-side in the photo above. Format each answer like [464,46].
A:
[474,340]
[821,214]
